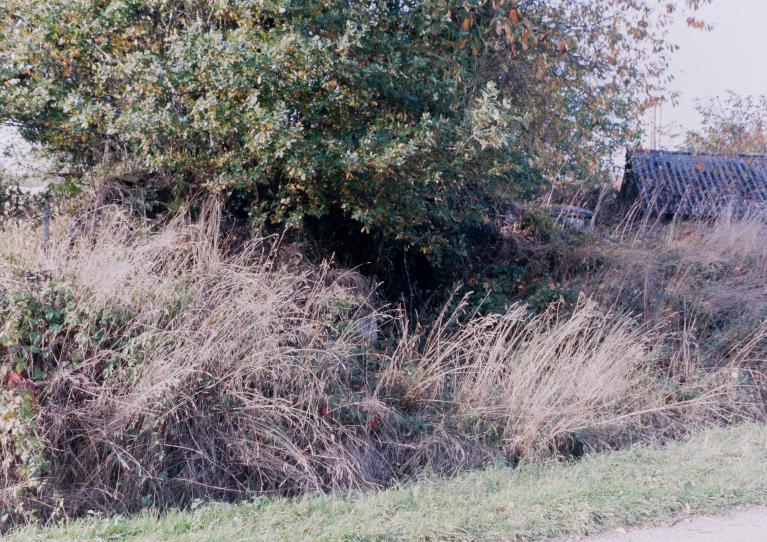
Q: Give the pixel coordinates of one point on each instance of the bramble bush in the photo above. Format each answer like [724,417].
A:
[44,330]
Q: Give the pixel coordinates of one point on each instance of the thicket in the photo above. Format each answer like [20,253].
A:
[153,367]
[391,131]
[731,125]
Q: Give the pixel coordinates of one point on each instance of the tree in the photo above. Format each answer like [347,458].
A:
[406,118]
[731,125]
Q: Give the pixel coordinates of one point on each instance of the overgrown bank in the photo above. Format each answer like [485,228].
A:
[151,366]
[714,471]
[160,350]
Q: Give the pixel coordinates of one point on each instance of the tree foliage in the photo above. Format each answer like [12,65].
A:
[404,117]
[730,125]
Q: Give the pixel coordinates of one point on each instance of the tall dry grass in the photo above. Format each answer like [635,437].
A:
[703,286]
[223,387]
[239,374]
[707,279]
[527,382]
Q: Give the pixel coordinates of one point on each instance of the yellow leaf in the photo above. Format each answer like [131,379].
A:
[509,34]
[525,39]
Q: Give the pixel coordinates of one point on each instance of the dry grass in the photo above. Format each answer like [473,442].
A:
[704,282]
[222,387]
[703,287]
[239,374]
[531,383]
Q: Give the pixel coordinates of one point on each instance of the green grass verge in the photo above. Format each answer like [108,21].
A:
[713,471]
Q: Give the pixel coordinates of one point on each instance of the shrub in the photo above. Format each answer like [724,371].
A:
[403,118]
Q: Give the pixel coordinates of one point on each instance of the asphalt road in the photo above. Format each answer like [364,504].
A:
[738,526]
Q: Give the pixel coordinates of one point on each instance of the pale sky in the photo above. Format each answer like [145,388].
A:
[733,56]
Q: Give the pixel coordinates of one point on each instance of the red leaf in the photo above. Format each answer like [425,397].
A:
[15,382]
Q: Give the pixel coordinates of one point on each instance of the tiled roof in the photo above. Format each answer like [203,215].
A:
[694,184]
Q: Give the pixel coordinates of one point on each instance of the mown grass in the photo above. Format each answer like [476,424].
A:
[714,470]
